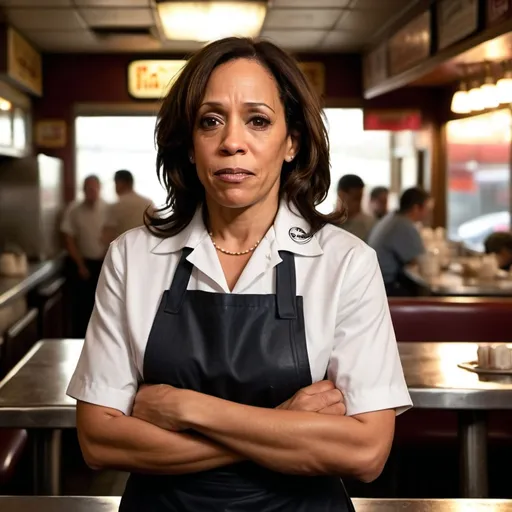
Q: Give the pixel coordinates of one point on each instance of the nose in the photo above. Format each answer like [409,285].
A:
[233,140]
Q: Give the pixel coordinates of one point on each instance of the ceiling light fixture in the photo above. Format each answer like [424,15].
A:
[211,20]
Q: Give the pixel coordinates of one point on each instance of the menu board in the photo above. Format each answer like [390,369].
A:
[498,11]
[375,66]
[456,19]
[410,45]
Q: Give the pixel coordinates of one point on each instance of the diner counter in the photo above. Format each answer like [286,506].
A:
[111,504]
[12,288]
[452,284]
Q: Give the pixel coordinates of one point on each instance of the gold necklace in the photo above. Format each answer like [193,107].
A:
[231,253]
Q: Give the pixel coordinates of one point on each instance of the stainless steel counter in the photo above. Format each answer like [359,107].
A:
[436,382]
[33,396]
[13,287]
[450,284]
[111,504]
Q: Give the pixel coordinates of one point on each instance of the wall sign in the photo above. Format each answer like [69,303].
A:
[498,11]
[315,74]
[391,120]
[456,19]
[151,79]
[22,64]
[375,66]
[51,133]
[410,45]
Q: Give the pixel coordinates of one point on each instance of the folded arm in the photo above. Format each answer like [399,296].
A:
[110,439]
[289,441]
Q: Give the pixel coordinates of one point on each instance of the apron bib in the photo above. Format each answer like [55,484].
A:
[249,349]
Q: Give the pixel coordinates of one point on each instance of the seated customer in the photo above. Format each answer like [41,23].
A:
[350,197]
[500,244]
[397,241]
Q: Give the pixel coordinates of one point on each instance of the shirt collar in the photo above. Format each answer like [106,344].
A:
[290,232]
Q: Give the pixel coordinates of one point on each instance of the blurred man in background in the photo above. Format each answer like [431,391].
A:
[379,202]
[350,195]
[82,227]
[128,212]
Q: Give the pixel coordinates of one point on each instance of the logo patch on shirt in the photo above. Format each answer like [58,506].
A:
[299,236]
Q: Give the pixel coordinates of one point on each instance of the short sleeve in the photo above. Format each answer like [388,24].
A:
[67,225]
[365,364]
[106,373]
[409,244]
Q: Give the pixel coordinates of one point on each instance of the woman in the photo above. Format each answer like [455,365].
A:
[214,327]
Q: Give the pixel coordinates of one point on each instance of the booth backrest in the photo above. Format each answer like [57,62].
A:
[467,319]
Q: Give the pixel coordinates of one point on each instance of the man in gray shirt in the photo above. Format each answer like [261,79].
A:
[397,241]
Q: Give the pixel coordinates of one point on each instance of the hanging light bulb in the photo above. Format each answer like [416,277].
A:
[460,100]
[504,88]
[488,89]
[476,100]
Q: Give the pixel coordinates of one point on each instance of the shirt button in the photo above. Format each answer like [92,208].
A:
[269,256]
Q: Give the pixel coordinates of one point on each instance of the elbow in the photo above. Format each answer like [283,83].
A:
[371,464]
[93,456]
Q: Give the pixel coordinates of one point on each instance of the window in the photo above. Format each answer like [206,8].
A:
[355,151]
[107,144]
[478,173]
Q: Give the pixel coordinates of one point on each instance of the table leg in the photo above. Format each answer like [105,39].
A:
[473,454]
[47,458]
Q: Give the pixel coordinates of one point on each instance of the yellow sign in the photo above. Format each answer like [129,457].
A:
[24,65]
[151,79]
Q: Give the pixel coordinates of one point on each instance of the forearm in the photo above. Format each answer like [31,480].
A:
[288,441]
[130,444]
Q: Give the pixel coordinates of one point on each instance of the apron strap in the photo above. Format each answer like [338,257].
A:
[176,294]
[286,288]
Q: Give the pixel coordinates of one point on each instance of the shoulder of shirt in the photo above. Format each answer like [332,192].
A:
[339,243]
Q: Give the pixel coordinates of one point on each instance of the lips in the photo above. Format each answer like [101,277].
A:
[233,171]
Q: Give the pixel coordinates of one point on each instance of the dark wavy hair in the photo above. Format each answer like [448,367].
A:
[304,182]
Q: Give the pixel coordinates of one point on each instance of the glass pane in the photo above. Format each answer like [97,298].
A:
[107,144]
[478,153]
[355,151]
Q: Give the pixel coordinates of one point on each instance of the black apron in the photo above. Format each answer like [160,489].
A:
[249,349]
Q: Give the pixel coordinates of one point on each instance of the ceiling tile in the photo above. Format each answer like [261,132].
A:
[36,3]
[301,18]
[113,3]
[118,17]
[312,4]
[295,39]
[71,40]
[45,19]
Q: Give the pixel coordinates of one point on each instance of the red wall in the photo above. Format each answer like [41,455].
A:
[70,79]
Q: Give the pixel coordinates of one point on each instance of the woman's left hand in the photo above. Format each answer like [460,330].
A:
[160,405]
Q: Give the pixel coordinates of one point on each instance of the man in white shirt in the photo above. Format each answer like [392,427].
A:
[350,194]
[82,227]
[128,212]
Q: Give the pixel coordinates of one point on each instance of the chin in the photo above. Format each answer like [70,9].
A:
[235,198]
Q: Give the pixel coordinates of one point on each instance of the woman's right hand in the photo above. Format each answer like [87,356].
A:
[322,397]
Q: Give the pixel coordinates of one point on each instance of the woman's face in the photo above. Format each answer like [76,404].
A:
[240,136]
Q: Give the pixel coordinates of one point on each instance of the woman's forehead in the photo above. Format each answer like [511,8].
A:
[242,80]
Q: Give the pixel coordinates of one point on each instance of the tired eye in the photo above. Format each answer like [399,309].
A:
[209,122]
[259,122]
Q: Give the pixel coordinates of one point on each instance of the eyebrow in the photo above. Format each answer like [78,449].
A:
[248,104]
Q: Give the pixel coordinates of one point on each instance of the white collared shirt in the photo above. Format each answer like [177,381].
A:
[348,325]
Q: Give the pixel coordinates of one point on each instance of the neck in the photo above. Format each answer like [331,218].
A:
[409,215]
[237,229]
